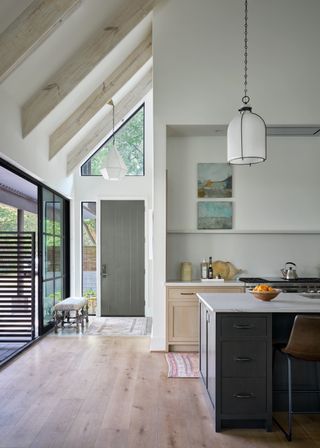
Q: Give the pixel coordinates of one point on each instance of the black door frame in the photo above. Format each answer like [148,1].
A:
[66,228]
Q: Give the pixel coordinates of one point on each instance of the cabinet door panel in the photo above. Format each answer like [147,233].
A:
[211,356]
[183,321]
[203,343]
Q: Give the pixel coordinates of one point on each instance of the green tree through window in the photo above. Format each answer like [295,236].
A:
[129,141]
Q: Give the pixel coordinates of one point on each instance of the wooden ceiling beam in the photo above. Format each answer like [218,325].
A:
[30,29]
[104,127]
[100,97]
[82,63]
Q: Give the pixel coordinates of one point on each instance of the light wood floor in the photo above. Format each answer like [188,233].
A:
[108,392]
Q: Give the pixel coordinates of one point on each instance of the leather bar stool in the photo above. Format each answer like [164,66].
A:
[303,344]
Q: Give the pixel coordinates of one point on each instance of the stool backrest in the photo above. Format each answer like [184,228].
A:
[304,341]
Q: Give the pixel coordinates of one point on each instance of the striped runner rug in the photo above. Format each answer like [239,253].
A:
[183,365]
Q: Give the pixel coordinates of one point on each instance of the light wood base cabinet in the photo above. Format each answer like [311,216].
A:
[183,314]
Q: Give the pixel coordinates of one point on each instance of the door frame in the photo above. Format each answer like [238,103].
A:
[98,251]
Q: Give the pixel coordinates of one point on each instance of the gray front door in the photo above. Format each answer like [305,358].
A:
[122,258]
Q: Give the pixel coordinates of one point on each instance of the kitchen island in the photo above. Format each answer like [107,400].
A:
[237,335]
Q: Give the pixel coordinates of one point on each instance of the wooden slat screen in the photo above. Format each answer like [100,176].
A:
[17,286]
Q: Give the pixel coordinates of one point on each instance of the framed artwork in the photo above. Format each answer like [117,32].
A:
[214,180]
[214,215]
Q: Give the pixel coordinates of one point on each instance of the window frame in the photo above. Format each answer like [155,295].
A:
[87,161]
[82,238]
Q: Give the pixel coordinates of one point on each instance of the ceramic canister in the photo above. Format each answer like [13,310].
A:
[186,271]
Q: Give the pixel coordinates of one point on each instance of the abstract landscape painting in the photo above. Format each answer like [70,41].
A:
[214,180]
[214,215]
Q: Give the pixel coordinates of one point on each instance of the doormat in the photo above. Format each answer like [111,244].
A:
[120,326]
[183,365]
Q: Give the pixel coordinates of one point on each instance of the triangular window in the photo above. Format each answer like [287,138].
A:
[129,141]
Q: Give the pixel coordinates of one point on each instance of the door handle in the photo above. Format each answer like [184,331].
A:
[242,359]
[104,273]
[243,395]
[243,326]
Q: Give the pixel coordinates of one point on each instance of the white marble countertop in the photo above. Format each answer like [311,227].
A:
[247,303]
[205,283]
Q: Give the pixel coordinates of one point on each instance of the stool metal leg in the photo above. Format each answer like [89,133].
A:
[290,410]
[288,433]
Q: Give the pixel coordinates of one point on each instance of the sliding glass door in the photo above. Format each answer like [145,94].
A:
[54,253]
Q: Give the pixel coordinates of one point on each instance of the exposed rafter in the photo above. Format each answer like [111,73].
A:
[30,29]
[104,127]
[100,97]
[82,62]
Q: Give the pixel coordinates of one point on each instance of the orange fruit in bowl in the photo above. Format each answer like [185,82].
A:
[263,288]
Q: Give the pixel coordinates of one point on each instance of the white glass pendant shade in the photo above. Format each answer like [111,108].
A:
[114,168]
[247,138]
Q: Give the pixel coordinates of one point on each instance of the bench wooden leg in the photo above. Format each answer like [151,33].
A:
[77,320]
[56,321]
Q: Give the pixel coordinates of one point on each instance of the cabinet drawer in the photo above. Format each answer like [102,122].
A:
[190,292]
[244,359]
[182,293]
[243,327]
[243,396]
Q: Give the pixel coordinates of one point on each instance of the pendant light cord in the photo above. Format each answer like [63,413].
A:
[113,136]
[111,103]
[245,98]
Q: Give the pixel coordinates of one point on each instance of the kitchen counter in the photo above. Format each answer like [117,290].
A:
[205,283]
[247,303]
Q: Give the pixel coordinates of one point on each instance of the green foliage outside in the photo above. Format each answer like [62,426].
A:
[8,220]
[89,293]
[129,141]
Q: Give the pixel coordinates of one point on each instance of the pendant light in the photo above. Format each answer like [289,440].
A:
[114,167]
[247,132]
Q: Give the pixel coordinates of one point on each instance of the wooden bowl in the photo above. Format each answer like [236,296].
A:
[266,296]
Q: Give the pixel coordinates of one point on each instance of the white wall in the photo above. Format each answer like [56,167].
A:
[279,195]
[96,188]
[198,57]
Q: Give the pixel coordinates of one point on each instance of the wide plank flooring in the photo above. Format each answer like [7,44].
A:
[111,392]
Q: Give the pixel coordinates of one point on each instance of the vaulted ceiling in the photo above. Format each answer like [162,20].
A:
[63,60]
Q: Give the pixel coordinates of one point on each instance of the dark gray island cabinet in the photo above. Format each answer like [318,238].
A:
[236,336]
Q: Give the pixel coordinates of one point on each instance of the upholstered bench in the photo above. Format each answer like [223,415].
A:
[78,306]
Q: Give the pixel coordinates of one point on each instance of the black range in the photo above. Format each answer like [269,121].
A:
[301,284]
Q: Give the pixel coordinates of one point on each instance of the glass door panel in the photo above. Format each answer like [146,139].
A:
[54,267]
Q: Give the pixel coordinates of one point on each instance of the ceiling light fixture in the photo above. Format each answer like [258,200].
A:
[247,132]
[114,166]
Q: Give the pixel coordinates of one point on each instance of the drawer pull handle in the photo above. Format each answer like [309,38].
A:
[187,293]
[243,396]
[242,359]
[243,326]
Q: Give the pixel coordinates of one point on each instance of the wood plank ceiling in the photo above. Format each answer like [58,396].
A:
[30,30]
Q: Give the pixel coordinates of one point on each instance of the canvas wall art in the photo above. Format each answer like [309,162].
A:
[214,215]
[214,180]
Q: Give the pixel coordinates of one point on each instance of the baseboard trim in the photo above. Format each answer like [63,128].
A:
[157,344]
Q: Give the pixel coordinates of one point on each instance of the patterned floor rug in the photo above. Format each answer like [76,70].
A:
[120,326]
[183,365]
